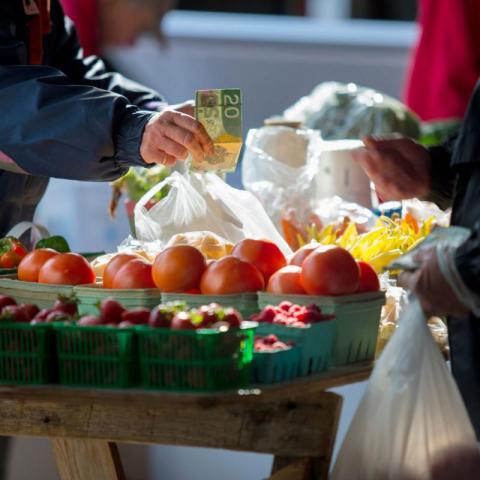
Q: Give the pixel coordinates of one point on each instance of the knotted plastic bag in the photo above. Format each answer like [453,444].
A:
[411,413]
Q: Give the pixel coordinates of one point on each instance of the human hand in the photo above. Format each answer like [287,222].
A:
[435,294]
[456,464]
[170,136]
[399,168]
[187,107]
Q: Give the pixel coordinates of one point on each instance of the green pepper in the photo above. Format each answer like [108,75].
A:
[56,242]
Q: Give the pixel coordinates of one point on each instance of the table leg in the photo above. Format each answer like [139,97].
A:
[79,459]
[309,468]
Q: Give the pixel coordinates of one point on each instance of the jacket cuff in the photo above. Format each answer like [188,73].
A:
[442,178]
[129,137]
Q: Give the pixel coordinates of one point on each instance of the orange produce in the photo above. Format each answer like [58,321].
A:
[114,265]
[302,253]
[178,269]
[368,278]
[32,262]
[66,269]
[265,255]
[231,275]
[330,270]
[286,280]
[136,273]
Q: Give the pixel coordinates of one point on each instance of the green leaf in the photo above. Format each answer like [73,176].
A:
[56,242]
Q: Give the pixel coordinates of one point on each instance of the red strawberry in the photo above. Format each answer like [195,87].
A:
[285,306]
[6,300]
[136,316]
[111,311]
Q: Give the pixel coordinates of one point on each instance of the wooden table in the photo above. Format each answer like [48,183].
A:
[296,422]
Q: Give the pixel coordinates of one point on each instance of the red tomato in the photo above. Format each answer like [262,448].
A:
[30,265]
[136,273]
[368,278]
[178,269]
[114,265]
[330,270]
[302,253]
[231,275]
[265,255]
[66,269]
[286,280]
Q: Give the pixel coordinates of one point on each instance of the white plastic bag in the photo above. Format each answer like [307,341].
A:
[410,414]
[199,202]
[276,169]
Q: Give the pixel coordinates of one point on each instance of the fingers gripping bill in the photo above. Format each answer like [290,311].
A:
[220,112]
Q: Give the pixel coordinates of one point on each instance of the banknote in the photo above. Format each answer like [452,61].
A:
[220,112]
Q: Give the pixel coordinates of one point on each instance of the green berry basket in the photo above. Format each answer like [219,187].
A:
[276,367]
[27,353]
[204,360]
[315,342]
[41,294]
[245,303]
[357,316]
[97,356]
[89,296]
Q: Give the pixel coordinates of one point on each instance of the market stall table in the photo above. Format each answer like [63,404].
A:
[296,422]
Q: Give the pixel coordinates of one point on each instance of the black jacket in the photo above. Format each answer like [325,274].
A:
[68,118]
[456,177]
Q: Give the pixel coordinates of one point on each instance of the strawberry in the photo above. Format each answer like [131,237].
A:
[136,316]
[111,311]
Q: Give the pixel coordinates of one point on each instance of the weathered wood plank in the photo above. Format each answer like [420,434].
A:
[284,468]
[87,460]
[300,427]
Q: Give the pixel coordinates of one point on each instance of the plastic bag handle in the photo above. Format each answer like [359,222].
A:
[23,227]
[154,190]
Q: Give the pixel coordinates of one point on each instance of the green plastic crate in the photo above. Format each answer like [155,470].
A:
[27,353]
[357,316]
[41,294]
[195,360]
[245,303]
[276,367]
[89,296]
[98,356]
[315,342]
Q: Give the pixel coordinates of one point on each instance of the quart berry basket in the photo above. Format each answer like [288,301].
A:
[27,353]
[101,357]
[196,360]
[357,316]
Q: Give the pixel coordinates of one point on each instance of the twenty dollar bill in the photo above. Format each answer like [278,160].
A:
[220,112]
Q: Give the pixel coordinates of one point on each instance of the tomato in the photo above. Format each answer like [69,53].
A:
[66,269]
[330,270]
[286,280]
[136,273]
[178,269]
[302,253]
[368,278]
[231,275]
[11,252]
[9,260]
[265,255]
[30,265]
[114,265]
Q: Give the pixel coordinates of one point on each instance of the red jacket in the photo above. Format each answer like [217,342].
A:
[446,62]
[84,14]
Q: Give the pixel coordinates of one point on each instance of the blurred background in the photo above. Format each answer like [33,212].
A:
[274,50]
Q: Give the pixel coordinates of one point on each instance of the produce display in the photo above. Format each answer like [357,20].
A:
[11,252]
[271,343]
[386,241]
[291,315]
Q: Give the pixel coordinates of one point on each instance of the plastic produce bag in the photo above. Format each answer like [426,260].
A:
[341,110]
[198,202]
[276,169]
[411,413]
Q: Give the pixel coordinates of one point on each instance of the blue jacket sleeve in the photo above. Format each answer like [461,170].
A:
[57,120]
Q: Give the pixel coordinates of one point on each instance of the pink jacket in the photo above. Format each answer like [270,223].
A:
[446,62]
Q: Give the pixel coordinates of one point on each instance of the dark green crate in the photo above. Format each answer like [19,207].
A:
[103,357]
[195,360]
[276,367]
[27,353]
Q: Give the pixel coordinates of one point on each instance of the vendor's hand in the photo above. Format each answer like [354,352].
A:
[399,168]
[435,294]
[171,136]
[456,463]
[187,107]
